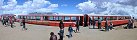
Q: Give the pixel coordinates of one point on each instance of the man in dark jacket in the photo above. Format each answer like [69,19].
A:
[94,23]
[3,21]
[99,23]
[61,24]
[23,23]
[77,26]
[61,32]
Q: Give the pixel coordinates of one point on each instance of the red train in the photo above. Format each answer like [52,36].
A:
[70,19]
[7,15]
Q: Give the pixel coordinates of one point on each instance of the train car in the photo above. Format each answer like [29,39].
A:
[115,19]
[52,20]
[70,19]
[7,15]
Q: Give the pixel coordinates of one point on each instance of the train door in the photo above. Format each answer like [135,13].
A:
[45,18]
[81,21]
[85,20]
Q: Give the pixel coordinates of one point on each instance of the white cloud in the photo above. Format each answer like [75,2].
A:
[1,2]
[52,6]
[135,10]
[111,7]
[64,5]
[118,9]
[28,6]
[86,6]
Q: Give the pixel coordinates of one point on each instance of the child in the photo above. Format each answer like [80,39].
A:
[53,36]
[111,25]
[70,30]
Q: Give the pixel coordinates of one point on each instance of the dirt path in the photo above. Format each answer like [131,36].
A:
[39,32]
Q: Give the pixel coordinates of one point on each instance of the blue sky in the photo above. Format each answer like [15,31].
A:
[64,6]
[106,7]
[67,6]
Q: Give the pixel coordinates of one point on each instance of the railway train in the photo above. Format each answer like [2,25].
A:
[70,19]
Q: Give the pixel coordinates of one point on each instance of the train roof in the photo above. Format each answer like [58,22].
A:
[105,15]
[70,15]
[7,15]
[53,15]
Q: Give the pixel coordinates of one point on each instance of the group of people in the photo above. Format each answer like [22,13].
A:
[108,26]
[9,21]
[61,31]
[130,24]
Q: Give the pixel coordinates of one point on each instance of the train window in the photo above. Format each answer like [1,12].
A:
[32,18]
[96,18]
[67,18]
[127,17]
[73,18]
[37,17]
[112,18]
[19,17]
[60,17]
[29,17]
[51,18]
[56,18]
[119,18]
[101,18]
[24,17]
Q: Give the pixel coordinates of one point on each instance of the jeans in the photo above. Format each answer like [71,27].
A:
[70,34]
[61,34]
[77,28]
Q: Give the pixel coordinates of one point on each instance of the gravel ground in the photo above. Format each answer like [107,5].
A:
[39,32]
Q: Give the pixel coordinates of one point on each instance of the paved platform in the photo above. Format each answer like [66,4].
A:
[39,32]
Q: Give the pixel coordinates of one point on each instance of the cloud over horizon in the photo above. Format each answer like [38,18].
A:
[110,7]
[27,7]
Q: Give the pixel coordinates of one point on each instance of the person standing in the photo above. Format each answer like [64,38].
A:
[23,23]
[94,23]
[133,24]
[7,21]
[129,24]
[61,32]
[77,26]
[61,24]
[11,21]
[2,21]
[99,23]
[106,25]
[53,36]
